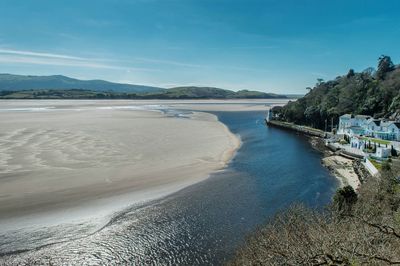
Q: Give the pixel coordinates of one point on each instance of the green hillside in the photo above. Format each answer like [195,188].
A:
[375,93]
[9,82]
[61,87]
[197,92]
[211,93]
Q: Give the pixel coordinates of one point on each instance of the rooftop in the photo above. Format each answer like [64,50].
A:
[363,116]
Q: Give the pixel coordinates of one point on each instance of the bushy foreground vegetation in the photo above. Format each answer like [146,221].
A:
[361,229]
[375,93]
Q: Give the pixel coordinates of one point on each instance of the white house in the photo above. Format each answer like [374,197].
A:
[362,125]
[372,127]
[353,125]
[344,123]
[382,152]
[361,120]
[387,130]
[357,142]
[394,131]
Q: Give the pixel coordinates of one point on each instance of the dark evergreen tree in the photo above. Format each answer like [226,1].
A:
[350,73]
[385,65]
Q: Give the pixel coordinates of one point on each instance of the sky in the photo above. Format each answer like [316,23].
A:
[280,46]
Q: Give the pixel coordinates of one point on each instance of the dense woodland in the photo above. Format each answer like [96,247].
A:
[371,92]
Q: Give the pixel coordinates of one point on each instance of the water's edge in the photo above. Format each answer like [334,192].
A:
[206,222]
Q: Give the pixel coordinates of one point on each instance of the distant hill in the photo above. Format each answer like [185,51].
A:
[62,87]
[258,94]
[9,82]
[193,92]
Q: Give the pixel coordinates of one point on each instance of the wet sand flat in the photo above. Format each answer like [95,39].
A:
[79,151]
[235,105]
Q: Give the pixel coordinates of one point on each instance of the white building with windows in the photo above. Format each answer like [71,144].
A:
[361,125]
[383,152]
[353,125]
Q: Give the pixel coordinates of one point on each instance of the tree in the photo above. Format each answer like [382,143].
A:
[350,73]
[312,114]
[393,151]
[385,65]
[344,199]
[369,71]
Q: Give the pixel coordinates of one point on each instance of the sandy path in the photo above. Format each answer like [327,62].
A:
[56,159]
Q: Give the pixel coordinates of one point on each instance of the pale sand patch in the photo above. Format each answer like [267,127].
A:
[343,169]
[58,159]
[198,105]
[239,105]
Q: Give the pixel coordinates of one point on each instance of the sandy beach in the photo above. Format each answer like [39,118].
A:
[343,169]
[62,154]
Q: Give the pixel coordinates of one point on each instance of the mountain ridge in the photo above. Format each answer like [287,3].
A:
[63,87]
[14,82]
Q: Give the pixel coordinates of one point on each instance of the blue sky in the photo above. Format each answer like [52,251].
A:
[277,46]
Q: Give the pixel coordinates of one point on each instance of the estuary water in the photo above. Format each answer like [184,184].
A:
[206,222]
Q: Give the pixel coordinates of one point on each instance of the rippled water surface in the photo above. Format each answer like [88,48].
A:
[205,223]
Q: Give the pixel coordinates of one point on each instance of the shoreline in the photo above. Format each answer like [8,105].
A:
[83,218]
[340,167]
[84,215]
[82,228]
[236,191]
[195,171]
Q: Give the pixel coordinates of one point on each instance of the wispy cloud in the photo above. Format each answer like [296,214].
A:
[210,66]
[37,54]
[11,56]
[51,61]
